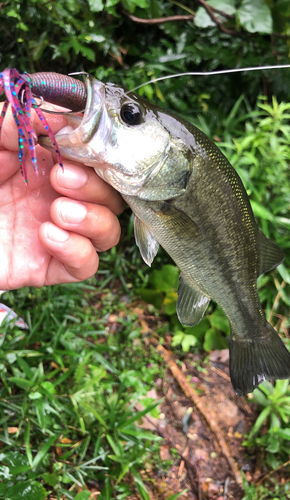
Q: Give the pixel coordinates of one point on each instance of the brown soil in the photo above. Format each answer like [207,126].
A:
[196,452]
[201,466]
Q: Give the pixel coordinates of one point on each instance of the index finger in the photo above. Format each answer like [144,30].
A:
[9,133]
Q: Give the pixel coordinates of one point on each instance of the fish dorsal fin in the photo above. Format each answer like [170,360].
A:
[148,245]
[270,254]
[191,303]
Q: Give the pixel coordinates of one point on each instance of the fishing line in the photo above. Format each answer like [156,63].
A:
[211,73]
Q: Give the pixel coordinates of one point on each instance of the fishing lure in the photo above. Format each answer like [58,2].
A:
[22,90]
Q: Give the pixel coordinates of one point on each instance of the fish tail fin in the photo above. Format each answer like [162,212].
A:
[253,360]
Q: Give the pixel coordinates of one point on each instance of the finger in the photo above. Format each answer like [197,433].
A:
[9,164]
[73,256]
[9,134]
[88,219]
[82,183]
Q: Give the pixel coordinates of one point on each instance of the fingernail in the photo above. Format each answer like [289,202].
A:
[72,212]
[54,233]
[72,177]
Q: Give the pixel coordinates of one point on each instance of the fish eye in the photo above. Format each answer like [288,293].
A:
[131,114]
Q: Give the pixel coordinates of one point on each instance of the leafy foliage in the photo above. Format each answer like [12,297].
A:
[100,38]
[261,157]
[66,402]
[272,489]
[274,402]
[67,399]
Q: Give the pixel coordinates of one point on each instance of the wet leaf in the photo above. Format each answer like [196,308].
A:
[83,495]
[255,16]
[219,320]
[214,340]
[26,490]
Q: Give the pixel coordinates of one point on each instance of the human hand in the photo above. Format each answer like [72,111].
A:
[51,228]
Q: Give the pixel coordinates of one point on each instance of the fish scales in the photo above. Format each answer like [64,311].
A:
[188,198]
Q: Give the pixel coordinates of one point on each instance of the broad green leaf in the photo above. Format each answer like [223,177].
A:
[49,387]
[5,473]
[154,297]
[50,478]
[202,19]
[13,459]
[275,423]
[111,3]
[260,211]
[260,420]
[219,320]
[22,382]
[198,330]
[255,16]
[83,495]
[12,13]
[26,490]
[260,398]
[281,387]
[166,280]
[177,338]
[214,340]
[188,341]
[140,3]
[274,445]
[284,433]
[169,303]
[25,367]
[35,395]
[285,274]
[96,5]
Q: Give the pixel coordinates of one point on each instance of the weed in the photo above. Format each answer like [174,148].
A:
[67,400]
[274,403]
[271,490]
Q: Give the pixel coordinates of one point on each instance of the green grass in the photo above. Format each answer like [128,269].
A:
[68,395]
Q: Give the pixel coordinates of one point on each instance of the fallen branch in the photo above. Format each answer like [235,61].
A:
[272,472]
[159,20]
[205,412]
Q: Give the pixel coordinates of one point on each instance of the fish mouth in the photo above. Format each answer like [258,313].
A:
[72,140]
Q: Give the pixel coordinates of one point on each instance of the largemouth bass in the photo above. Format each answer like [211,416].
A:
[187,198]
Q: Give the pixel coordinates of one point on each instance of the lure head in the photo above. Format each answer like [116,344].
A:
[122,136]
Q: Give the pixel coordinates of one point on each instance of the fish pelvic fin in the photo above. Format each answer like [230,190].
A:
[252,361]
[146,242]
[191,303]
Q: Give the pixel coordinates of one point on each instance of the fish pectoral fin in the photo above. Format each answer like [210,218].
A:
[147,243]
[258,358]
[270,254]
[191,303]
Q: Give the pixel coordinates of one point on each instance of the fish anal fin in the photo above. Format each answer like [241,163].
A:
[270,254]
[191,303]
[254,360]
[147,243]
